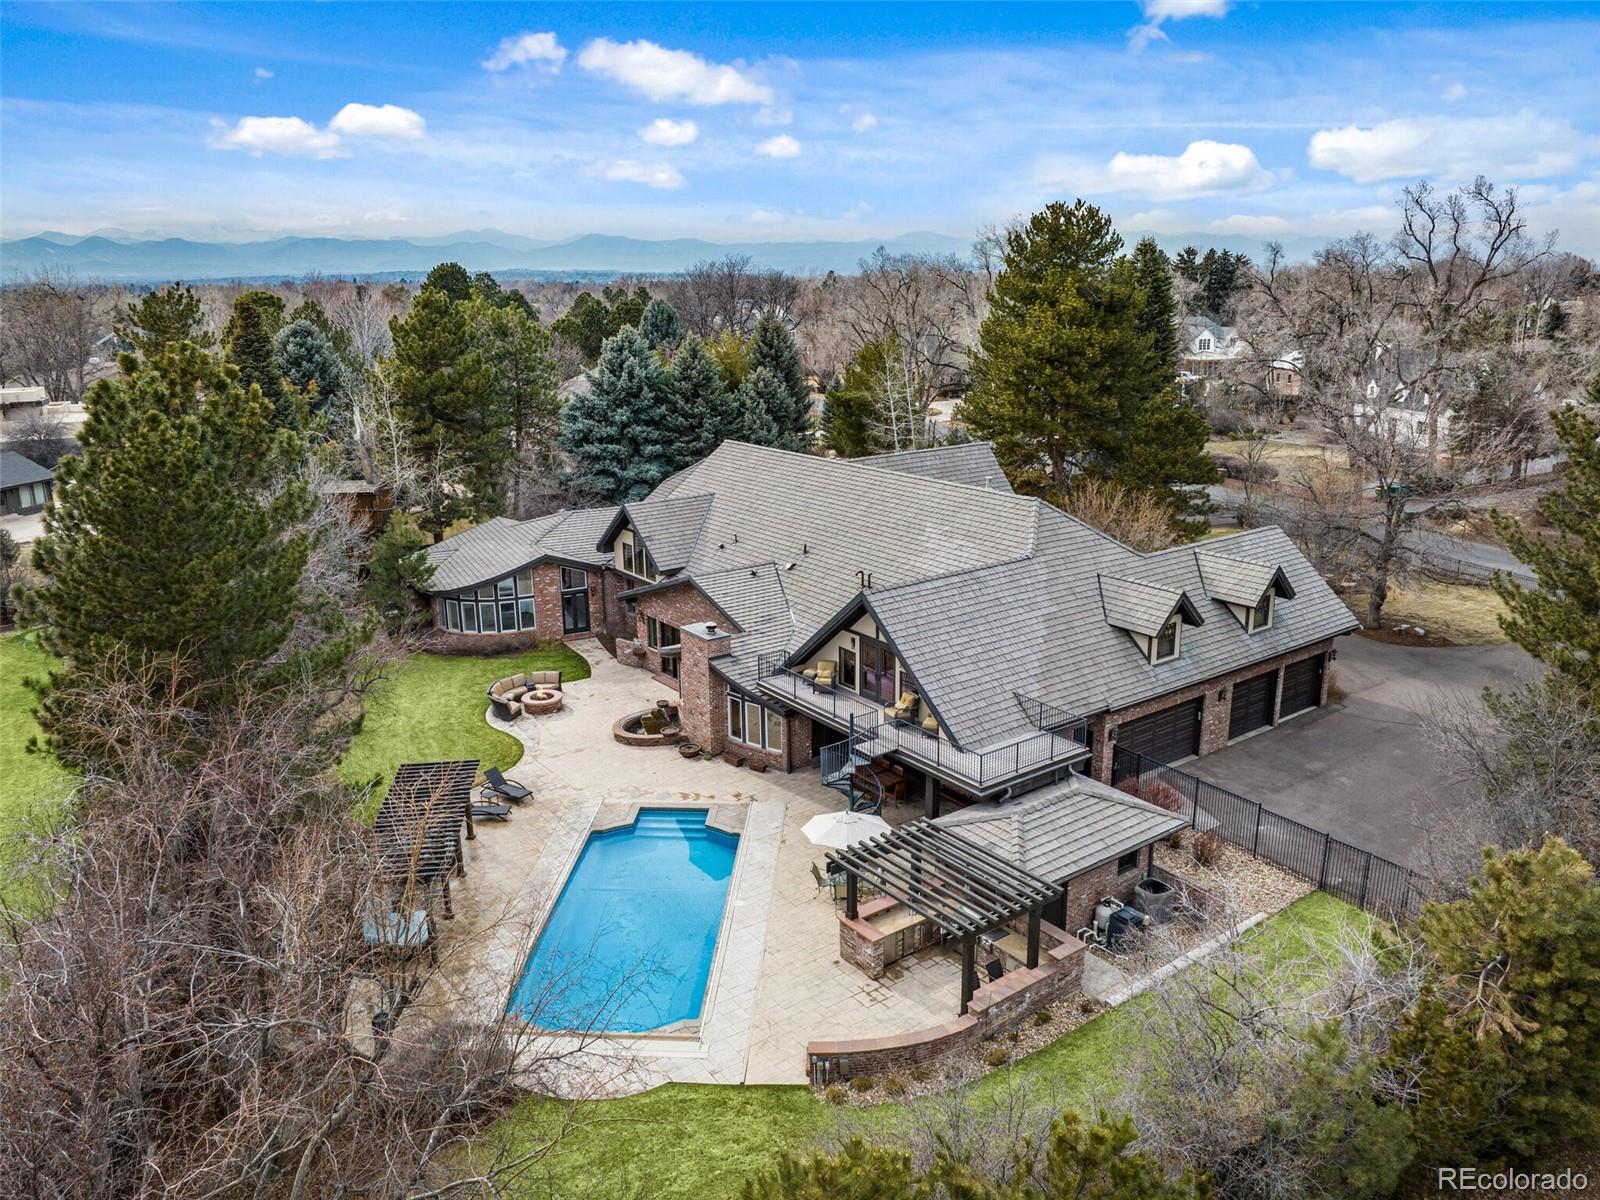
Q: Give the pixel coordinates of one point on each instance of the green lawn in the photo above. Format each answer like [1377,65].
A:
[432,707]
[25,779]
[703,1141]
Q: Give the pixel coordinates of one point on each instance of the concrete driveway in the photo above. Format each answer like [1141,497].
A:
[1363,770]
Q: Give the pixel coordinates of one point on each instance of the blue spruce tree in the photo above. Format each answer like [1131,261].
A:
[613,435]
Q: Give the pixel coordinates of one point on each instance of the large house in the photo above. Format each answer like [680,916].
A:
[908,607]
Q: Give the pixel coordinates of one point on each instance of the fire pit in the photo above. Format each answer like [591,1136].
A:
[653,727]
[541,700]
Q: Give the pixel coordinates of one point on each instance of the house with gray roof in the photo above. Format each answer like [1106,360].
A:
[912,610]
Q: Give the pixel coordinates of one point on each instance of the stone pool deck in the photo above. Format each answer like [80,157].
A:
[778,982]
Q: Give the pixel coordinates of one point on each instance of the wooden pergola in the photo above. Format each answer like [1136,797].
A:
[420,823]
[962,887]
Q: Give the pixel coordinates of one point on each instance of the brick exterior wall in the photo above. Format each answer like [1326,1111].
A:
[995,1009]
[548,625]
[1214,713]
[1094,885]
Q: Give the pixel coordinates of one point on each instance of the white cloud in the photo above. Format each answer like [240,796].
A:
[663,74]
[1454,92]
[666,132]
[1204,168]
[378,121]
[262,74]
[538,50]
[276,135]
[782,146]
[657,175]
[1255,225]
[1521,145]
[764,216]
[865,122]
[1158,12]
[774,116]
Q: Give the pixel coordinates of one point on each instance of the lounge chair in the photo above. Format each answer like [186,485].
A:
[824,677]
[499,787]
[491,812]
[904,710]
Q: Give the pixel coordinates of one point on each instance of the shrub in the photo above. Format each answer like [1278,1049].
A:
[1207,849]
[861,1084]
[1043,1017]
[1014,1036]
[1177,839]
[894,1085]
[1154,791]
[997,1056]
[834,1094]
[1091,1006]
[922,1074]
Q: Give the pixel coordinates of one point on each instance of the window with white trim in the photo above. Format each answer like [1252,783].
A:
[753,724]
[1260,617]
[1165,644]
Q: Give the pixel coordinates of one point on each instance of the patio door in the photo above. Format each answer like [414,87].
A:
[877,671]
[574,601]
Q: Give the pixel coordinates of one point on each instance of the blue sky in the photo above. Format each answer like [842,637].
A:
[742,122]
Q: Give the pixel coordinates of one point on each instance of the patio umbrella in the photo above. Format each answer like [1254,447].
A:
[841,829]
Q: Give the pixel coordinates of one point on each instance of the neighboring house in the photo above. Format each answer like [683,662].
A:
[24,485]
[366,505]
[982,641]
[1403,413]
[1206,346]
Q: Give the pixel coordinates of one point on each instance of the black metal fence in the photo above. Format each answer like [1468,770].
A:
[1365,879]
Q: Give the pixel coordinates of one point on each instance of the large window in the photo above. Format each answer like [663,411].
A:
[750,723]
[502,606]
[877,671]
[847,667]
[574,600]
[660,635]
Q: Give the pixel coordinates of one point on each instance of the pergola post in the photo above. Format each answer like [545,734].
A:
[969,969]
[852,907]
[930,796]
[1033,937]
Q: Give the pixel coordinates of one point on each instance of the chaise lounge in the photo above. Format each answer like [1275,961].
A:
[505,695]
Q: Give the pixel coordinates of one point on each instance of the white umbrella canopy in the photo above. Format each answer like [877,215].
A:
[841,829]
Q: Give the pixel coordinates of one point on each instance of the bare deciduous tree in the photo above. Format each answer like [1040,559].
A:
[49,324]
[728,293]
[1134,518]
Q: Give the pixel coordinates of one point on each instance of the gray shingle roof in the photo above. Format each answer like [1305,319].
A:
[1064,829]
[1039,626]
[16,470]
[971,463]
[670,527]
[1237,580]
[1134,605]
[502,545]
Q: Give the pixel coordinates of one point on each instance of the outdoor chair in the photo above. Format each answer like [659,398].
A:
[491,812]
[905,710]
[499,787]
[994,969]
[824,678]
[834,880]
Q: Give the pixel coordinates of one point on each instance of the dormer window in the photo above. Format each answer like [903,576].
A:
[1165,644]
[1205,343]
[1261,614]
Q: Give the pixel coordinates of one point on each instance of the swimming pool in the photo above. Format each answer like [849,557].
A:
[629,943]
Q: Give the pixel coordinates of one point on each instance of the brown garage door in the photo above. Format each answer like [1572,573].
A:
[1302,686]
[1252,704]
[1165,736]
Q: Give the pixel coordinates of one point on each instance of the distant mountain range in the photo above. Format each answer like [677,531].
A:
[99,256]
[118,256]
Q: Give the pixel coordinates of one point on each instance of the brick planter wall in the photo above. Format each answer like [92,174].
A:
[996,1008]
[1214,712]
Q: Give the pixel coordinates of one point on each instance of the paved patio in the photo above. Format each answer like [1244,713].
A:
[778,982]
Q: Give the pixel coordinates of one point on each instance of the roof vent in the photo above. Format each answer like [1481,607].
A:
[711,629]
[805,548]
[789,566]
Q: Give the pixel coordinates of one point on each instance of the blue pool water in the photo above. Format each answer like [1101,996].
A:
[629,943]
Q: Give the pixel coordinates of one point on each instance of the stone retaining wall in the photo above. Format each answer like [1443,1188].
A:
[996,1008]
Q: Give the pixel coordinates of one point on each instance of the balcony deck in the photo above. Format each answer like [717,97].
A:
[978,771]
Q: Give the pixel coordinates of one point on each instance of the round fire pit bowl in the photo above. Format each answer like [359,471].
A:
[540,701]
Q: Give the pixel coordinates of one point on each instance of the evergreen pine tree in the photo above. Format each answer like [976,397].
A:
[269,306]
[853,413]
[759,395]
[772,346]
[250,348]
[397,570]
[446,396]
[1166,456]
[307,360]
[613,434]
[177,537]
[700,413]
[516,348]
[172,314]
[1558,622]
[451,279]
[660,326]
[338,336]
[1062,368]
[1504,1043]
[1158,319]
[1187,264]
